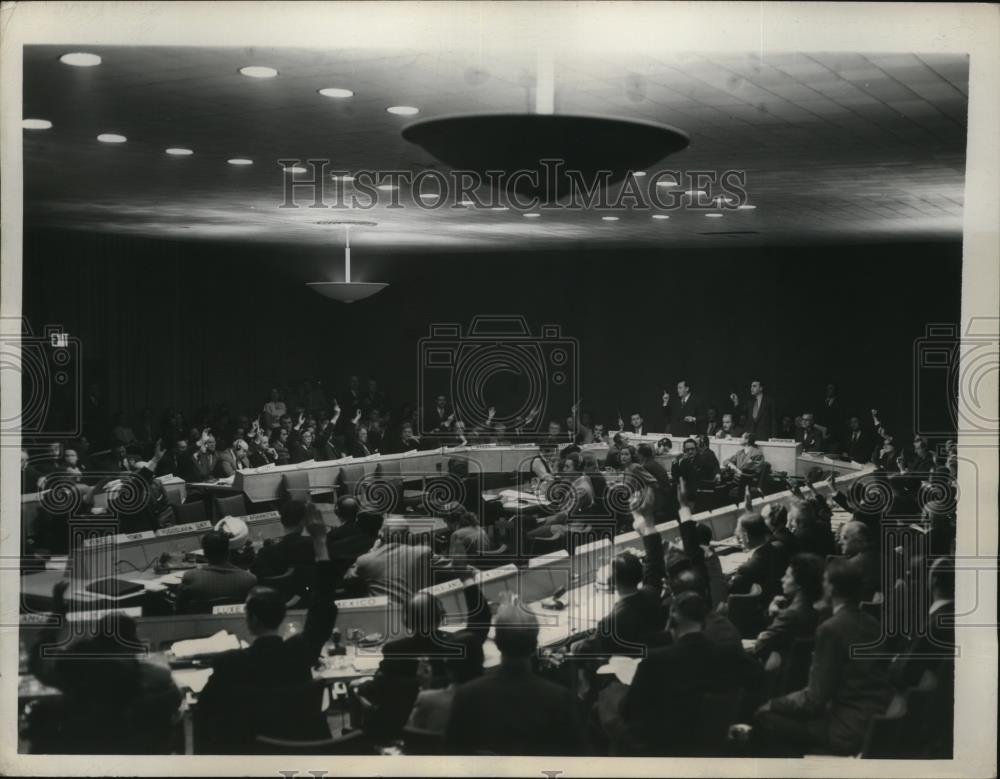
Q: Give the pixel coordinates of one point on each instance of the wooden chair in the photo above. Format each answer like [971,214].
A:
[295,486]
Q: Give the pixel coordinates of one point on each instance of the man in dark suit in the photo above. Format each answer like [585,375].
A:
[856,544]
[403,441]
[757,415]
[293,550]
[684,415]
[438,417]
[775,516]
[637,614]
[811,535]
[765,566]
[810,436]
[303,449]
[933,651]
[510,710]
[217,580]
[857,443]
[395,686]
[175,461]
[846,689]
[240,693]
[660,711]
[201,465]
[352,537]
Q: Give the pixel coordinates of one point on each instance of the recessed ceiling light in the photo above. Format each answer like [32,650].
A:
[667,183]
[660,216]
[532,216]
[346,179]
[386,187]
[499,208]
[403,110]
[240,161]
[295,169]
[36,124]
[429,195]
[609,218]
[714,216]
[258,71]
[80,59]
[336,92]
[467,203]
[746,207]
[638,173]
[694,192]
[111,138]
[179,152]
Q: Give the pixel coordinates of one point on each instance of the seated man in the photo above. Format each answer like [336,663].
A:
[398,566]
[744,467]
[659,715]
[238,697]
[395,686]
[353,535]
[846,689]
[218,580]
[765,564]
[294,550]
[433,706]
[855,543]
[510,710]
[728,429]
[810,436]
[468,540]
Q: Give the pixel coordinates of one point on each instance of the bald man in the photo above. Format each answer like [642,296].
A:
[855,543]
[510,710]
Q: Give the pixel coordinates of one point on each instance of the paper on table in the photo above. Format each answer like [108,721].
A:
[192,679]
[226,480]
[364,664]
[192,647]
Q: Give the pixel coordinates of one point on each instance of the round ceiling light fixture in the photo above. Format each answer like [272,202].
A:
[176,151]
[347,291]
[258,71]
[111,138]
[336,92]
[36,124]
[80,59]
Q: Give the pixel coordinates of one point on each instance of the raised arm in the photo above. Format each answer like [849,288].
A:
[322,613]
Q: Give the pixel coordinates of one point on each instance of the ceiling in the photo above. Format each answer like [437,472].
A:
[836,148]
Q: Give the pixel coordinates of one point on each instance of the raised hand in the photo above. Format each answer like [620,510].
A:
[492,412]
[666,397]
[734,398]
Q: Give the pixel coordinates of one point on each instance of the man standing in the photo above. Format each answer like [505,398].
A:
[757,413]
[684,415]
[809,435]
[857,443]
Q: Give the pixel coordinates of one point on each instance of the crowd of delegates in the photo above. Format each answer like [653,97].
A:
[705,642]
[707,678]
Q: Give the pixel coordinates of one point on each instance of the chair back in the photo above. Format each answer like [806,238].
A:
[354,743]
[189,512]
[231,506]
[746,611]
[295,486]
[417,741]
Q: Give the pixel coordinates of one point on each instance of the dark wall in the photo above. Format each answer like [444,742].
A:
[186,323]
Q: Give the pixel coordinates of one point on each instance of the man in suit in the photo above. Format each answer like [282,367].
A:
[775,516]
[231,459]
[510,710]
[810,436]
[855,543]
[395,686]
[933,651]
[175,461]
[240,693]
[347,540]
[660,711]
[711,421]
[757,415]
[439,417]
[218,579]
[810,534]
[846,689]
[637,614]
[201,465]
[303,449]
[857,443]
[638,425]
[764,567]
[684,415]
[293,550]
[829,413]
[397,567]
[728,428]
[745,466]
[404,441]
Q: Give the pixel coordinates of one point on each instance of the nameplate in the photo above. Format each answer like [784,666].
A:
[363,603]
[232,608]
[263,516]
[190,527]
[101,540]
[779,441]
[548,559]
[38,619]
[143,535]
[498,573]
[84,616]
[593,546]
[444,587]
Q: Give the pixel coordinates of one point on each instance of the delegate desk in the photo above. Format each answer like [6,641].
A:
[265,483]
